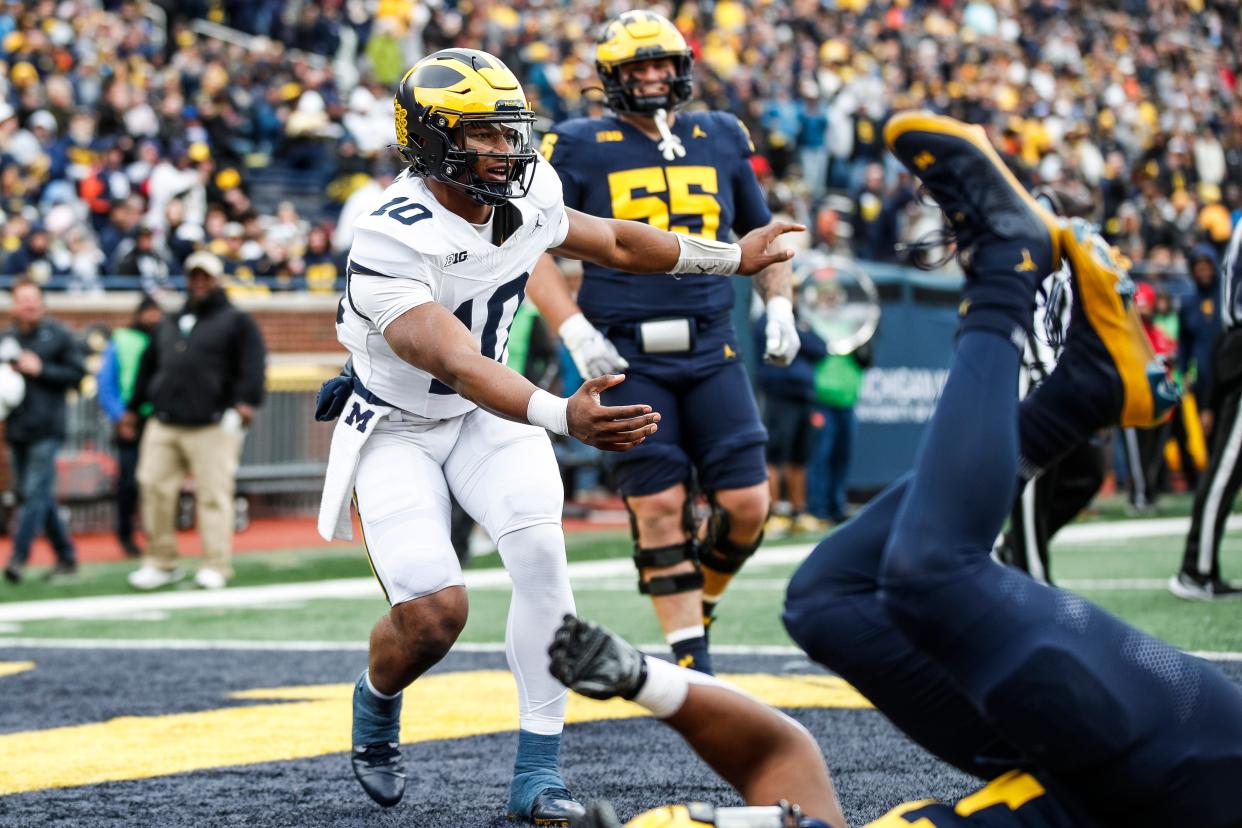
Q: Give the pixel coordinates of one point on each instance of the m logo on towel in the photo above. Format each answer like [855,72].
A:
[357,415]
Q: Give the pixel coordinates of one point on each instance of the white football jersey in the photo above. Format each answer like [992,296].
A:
[411,250]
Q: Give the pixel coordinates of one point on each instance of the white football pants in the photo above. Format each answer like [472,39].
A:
[505,476]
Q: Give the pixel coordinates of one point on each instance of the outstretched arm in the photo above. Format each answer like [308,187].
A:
[431,338]
[639,248]
[765,755]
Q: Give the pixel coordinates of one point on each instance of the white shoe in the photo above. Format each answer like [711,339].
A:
[210,579]
[152,577]
[1190,587]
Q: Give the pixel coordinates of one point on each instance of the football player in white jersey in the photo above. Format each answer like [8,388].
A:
[436,273]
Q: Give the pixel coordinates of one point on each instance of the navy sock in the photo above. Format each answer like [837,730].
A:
[999,294]
[376,720]
[966,470]
[536,769]
[692,654]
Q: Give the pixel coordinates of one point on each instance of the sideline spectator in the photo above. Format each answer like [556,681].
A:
[838,381]
[117,377]
[876,213]
[1145,446]
[49,359]
[203,376]
[1199,327]
[142,257]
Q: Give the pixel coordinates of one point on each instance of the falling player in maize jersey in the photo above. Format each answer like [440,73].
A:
[1071,716]
[435,276]
[672,335]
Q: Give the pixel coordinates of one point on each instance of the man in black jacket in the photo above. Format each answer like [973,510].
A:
[203,375]
[50,361]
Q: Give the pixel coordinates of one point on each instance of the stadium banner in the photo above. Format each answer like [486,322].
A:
[912,346]
[912,350]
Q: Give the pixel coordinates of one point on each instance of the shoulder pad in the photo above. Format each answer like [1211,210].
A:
[545,191]
[734,127]
[415,221]
[571,141]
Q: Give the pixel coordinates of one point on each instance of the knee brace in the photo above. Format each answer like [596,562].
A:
[720,553]
[660,556]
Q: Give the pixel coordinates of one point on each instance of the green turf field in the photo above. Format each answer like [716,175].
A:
[1125,576]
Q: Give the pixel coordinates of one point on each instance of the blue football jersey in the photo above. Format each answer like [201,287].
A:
[610,169]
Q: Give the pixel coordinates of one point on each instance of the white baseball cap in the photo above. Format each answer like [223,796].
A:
[205,261]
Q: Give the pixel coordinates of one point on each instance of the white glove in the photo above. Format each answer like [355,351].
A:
[593,354]
[781,333]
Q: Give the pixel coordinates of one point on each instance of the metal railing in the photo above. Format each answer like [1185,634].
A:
[281,473]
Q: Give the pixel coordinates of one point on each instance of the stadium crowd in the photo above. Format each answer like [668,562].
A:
[129,138]
[133,135]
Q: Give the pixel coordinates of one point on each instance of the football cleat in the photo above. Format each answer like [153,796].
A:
[807,524]
[590,660]
[778,526]
[979,195]
[553,806]
[376,756]
[1108,373]
[1191,587]
[380,772]
[599,814]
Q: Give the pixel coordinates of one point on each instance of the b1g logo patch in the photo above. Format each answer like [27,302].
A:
[456,258]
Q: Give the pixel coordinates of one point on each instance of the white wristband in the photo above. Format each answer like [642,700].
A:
[666,687]
[707,256]
[548,411]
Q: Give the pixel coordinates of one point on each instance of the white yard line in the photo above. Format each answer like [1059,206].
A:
[1133,529]
[262,596]
[657,648]
[1090,584]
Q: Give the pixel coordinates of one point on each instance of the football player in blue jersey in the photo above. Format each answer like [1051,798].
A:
[1072,717]
[690,173]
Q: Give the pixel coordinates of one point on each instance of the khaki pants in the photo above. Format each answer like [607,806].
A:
[209,453]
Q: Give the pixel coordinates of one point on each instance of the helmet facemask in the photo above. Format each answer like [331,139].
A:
[621,94]
[440,147]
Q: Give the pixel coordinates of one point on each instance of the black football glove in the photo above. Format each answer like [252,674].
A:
[333,394]
[590,660]
[599,814]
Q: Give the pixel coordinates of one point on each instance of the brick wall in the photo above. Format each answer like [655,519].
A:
[291,324]
[299,331]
